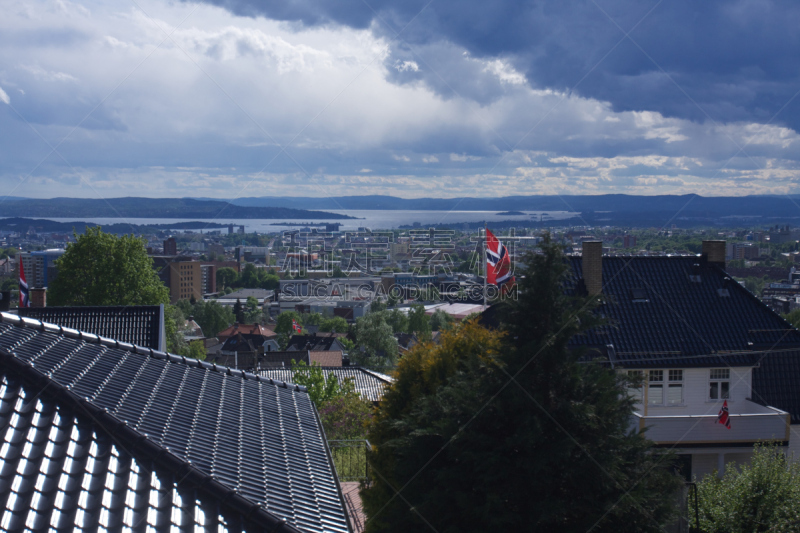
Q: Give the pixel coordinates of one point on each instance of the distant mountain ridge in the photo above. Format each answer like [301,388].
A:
[688,205]
[133,207]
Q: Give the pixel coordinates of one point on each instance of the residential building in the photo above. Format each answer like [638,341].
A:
[251,330]
[191,279]
[628,241]
[103,435]
[170,246]
[698,339]
[40,267]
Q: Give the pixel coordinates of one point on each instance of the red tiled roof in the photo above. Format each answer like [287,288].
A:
[326,358]
[247,329]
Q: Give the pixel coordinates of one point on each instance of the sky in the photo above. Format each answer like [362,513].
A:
[420,98]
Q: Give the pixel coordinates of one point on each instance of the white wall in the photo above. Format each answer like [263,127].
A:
[695,394]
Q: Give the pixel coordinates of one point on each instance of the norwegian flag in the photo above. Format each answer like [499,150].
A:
[296,326]
[24,301]
[723,417]
[498,263]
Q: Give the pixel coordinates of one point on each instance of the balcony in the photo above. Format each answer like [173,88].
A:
[750,422]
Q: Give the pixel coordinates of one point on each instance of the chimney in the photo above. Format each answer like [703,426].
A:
[592,264]
[714,252]
[5,300]
[38,297]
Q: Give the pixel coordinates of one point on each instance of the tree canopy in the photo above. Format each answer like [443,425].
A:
[105,269]
[512,430]
[377,347]
[209,315]
[762,496]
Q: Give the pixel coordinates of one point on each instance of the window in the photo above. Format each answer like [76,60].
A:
[675,388]
[719,384]
[655,393]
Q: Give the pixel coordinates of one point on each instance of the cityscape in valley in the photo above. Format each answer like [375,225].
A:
[333,267]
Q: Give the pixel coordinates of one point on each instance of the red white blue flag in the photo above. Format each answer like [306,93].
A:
[724,417]
[24,301]
[296,326]
[498,263]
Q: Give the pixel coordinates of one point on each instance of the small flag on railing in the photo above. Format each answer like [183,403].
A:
[724,417]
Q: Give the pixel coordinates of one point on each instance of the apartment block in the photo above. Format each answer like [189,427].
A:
[191,279]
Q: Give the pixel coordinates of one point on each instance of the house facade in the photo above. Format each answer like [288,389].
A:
[694,340]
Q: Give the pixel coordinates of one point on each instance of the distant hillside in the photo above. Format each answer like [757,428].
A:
[49,226]
[690,205]
[154,208]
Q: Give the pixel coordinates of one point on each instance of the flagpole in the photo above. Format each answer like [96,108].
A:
[485,266]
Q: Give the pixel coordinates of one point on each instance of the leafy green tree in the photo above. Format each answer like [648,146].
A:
[209,315]
[335,324]
[346,417]
[252,313]
[418,321]
[762,496]
[173,320]
[337,272]
[440,320]
[196,350]
[398,320]
[104,269]
[312,319]
[269,281]
[249,278]
[227,277]
[793,318]
[377,347]
[284,327]
[377,306]
[320,388]
[513,430]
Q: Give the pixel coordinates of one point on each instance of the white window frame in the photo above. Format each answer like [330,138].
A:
[671,378]
[718,380]
[674,382]
[655,384]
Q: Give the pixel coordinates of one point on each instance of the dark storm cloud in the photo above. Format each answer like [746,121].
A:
[723,60]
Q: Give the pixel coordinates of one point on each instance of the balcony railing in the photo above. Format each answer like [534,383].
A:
[703,430]
[350,459]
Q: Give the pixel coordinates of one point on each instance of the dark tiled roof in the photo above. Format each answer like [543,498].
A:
[250,445]
[776,382]
[247,329]
[135,324]
[368,384]
[315,343]
[661,317]
[267,359]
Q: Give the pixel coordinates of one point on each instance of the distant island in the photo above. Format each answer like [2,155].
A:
[511,213]
[155,208]
[41,225]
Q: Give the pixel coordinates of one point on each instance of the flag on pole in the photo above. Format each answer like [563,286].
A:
[24,301]
[724,417]
[296,326]
[498,263]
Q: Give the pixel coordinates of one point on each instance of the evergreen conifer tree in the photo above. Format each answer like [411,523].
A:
[512,430]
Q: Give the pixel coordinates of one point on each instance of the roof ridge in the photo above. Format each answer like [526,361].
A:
[32,323]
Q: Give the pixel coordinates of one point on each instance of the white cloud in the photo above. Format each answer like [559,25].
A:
[47,75]
[406,66]
[233,90]
[463,157]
